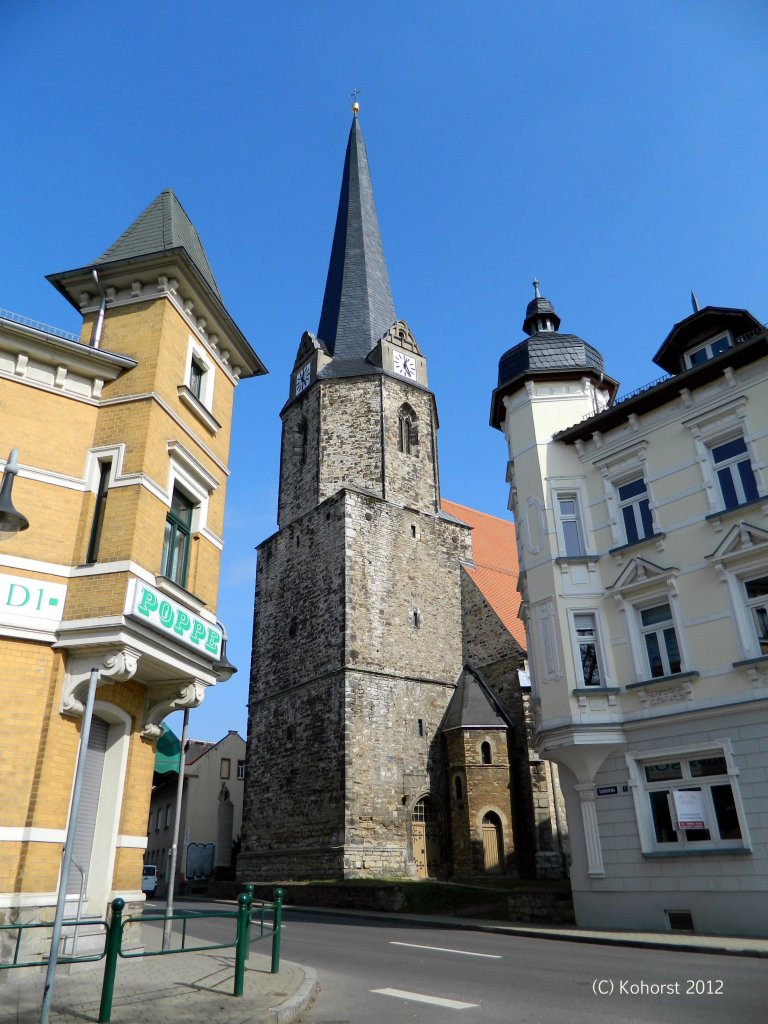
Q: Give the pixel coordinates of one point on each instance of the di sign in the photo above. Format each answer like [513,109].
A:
[160,613]
[32,604]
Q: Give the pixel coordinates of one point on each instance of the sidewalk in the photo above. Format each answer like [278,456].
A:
[193,988]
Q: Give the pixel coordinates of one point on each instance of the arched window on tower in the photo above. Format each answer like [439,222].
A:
[408,430]
[485,753]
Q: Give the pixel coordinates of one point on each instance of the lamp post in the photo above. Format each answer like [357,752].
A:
[11,521]
[224,670]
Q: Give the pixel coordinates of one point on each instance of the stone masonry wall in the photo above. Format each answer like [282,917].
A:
[350,435]
[299,457]
[293,820]
[410,478]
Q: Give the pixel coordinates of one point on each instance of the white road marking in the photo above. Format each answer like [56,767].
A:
[418,997]
[441,949]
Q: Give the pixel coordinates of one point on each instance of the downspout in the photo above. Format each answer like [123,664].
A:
[96,337]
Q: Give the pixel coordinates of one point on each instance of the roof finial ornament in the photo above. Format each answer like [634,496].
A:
[355,105]
[536,288]
[694,301]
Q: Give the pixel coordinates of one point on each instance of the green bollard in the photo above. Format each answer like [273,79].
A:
[114,935]
[241,945]
[249,893]
[276,933]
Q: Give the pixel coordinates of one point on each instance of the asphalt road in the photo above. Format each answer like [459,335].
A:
[382,972]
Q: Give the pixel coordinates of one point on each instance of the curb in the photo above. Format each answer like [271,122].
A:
[300,1001]
[626,939]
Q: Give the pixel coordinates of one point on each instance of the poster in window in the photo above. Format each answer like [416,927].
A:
[689,807]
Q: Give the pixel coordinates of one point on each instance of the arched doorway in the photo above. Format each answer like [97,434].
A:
[493,845]
[426,838]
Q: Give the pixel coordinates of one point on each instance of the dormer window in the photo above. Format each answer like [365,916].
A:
[710,349]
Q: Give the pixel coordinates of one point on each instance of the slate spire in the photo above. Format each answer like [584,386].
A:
[357,305]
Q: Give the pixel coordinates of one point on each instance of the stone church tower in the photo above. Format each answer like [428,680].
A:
[357,641]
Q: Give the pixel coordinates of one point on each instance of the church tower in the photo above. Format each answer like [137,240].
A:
[357,623]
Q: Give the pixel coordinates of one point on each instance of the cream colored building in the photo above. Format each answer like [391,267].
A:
[123,435]
[211,813]
[643,543]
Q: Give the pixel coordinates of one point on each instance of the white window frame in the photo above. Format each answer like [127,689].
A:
[641,788]
[742,557]
[659,629]
[561,494]
[731,465]
[617,471]
[707,347]
[576,644]
[634,598]
[634,503]
[715,428]
[196,352]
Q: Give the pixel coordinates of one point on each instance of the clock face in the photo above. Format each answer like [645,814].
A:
[302,379]
[404,365]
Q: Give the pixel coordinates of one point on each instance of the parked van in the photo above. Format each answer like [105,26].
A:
[149,879]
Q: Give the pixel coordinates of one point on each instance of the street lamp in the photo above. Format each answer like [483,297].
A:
[11,521]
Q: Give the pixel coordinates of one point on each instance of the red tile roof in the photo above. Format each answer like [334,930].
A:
[494,552]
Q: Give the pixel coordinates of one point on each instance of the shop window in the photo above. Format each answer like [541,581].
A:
[688,802]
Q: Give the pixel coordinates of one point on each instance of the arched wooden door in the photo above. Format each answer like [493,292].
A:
[493,846]
[426,838]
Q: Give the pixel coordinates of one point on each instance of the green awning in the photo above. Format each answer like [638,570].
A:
[168,755]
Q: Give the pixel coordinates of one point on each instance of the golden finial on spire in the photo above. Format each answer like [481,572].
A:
[355,105]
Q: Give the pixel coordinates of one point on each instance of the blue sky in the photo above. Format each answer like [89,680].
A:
[615,150]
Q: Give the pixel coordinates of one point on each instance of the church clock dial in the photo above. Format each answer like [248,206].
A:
[404,365]
[302,379]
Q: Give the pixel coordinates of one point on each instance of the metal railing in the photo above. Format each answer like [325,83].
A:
[37,325]
[241,943]
[245,918]
[75,923]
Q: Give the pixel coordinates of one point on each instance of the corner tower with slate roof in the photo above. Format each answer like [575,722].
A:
[357,640]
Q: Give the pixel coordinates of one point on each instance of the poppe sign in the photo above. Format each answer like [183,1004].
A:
[161,613]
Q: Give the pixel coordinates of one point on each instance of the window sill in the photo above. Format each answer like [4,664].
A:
[196,406]
[580,691]
[178,593]
[760,659]
[576,559]
[656,537]
[673,678]
[714,516]
[722,851]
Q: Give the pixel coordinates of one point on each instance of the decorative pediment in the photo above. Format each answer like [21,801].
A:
[641,573]
[400,334]
[308,345]
[742,539]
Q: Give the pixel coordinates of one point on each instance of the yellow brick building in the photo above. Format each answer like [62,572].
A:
[123,436]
